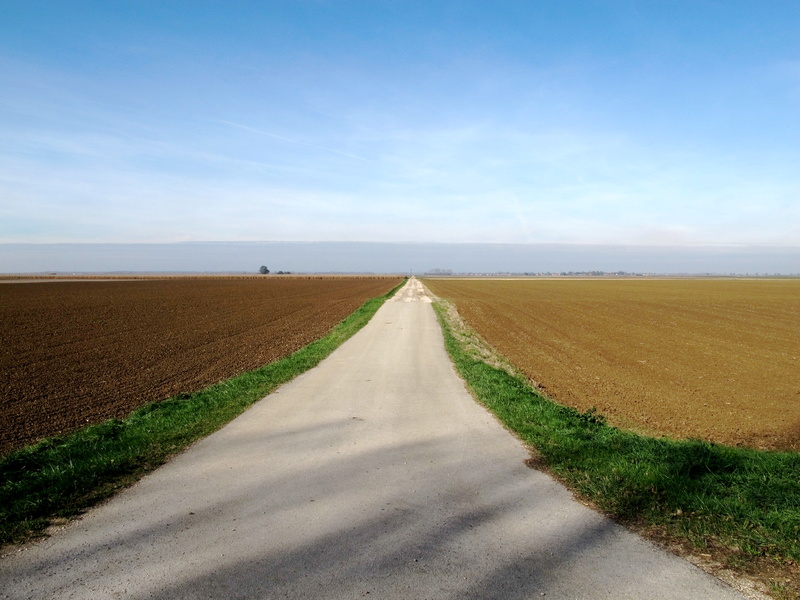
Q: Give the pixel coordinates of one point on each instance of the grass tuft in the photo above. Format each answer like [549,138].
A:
[62,476]
[740,505]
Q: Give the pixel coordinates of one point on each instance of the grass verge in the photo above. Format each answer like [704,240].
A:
[739,507]
[60,477]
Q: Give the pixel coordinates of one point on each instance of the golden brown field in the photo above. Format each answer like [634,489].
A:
[711,358]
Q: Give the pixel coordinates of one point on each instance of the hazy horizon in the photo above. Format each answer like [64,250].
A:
[395,257]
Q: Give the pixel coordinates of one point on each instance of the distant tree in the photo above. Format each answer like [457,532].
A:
[264,270]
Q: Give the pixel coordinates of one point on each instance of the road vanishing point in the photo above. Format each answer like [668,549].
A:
[374,474]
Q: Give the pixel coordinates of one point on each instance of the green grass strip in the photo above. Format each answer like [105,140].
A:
[60,477]
[743,503]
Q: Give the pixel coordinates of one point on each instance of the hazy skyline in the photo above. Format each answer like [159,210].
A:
[388,257]
[572,122]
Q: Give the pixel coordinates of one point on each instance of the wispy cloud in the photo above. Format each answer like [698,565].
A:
[292,141]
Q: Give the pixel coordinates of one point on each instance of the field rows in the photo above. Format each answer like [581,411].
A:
[714,359]
[79,352]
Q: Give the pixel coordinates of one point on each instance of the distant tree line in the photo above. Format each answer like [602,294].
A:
[595,273]
[439,272]
[265,271]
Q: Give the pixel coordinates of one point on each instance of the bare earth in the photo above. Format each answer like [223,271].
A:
[712,359]
[78,352]
[373,474]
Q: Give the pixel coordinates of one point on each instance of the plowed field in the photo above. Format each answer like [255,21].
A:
[714,359]
[79,352]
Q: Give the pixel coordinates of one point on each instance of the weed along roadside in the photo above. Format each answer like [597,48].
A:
[738,508]
[61,477]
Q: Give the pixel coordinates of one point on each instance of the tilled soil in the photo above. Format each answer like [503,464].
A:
[74,353]
[711,359]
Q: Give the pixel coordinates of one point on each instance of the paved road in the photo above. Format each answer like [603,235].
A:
[373,475]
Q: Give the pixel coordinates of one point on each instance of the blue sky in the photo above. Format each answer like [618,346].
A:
[577,122]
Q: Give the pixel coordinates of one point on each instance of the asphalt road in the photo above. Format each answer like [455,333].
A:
[373,475]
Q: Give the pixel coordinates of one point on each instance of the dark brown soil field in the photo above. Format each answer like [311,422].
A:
[79,352]
[713,359]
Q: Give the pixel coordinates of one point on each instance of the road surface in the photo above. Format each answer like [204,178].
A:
[375,475]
